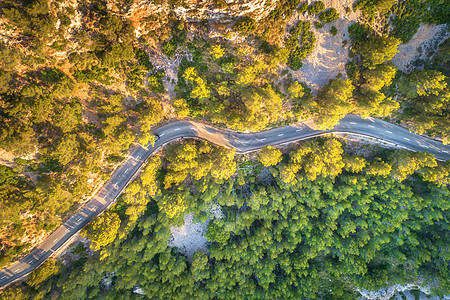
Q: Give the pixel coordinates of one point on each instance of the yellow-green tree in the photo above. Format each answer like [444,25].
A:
[102,230]
[378,168]
[269,156]
[147,138]
[334,101]
[405,163]
[422,83]
[46,270]
[216,51]
[181,107]
[377,49]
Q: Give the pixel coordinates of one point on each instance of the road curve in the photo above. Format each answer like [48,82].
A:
[350,124]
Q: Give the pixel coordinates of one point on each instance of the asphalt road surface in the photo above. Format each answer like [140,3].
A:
[351,124]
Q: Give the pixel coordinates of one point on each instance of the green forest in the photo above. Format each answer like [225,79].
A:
[297,226]
[84,82]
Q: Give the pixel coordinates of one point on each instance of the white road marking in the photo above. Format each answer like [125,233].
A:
[17,270]
[227,140]
[263,139]
[3,277]
[445,151]
[79,219]
[352,123]
[67,229]
[126,171]
[55,240]
[371,126]
[209,132]
[298,130]
[30,262]
[425,146]
[244,142]
[281,134]
[137,157]
[161,134]
[176,129]
[406,139]
[388,131]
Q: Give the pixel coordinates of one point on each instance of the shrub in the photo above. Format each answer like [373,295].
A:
[329,15]
[170,47]
[246,25]
[143,59]
[317,25]
[303,8]
[316,7]
[333,30]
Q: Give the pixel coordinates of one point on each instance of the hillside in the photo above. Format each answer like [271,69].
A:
[82,82]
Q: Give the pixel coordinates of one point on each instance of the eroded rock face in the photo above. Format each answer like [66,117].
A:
[201,10]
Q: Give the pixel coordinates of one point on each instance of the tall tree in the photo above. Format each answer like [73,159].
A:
[269,156]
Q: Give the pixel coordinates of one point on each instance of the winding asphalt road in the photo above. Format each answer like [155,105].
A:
[351,124]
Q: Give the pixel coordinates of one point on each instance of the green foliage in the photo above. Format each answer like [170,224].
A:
[408,15]
[405,163]
[245,25]
[318,25]
[359,32]
[46,270]
[146,139]
[377,49]
[67,149]
[288,237]
[422,83]
[181,107]
[426,99]
[216,51]
[329,15]
[200,91]
[155,83]
[299,51]
[216,233]
[143,59]
[371,7]
[334,101]
[316,7]
[102,230]
[302,8]
[198,160]
[269,156]
[333,30]
[296,90]
[200,267]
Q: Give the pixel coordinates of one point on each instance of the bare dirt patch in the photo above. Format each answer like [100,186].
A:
[422,46]
[330,52]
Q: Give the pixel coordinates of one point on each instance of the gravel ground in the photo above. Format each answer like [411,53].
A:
[422,46]
[190,237]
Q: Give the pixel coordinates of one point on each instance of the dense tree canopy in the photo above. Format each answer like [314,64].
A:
[102,230]
[341,223]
